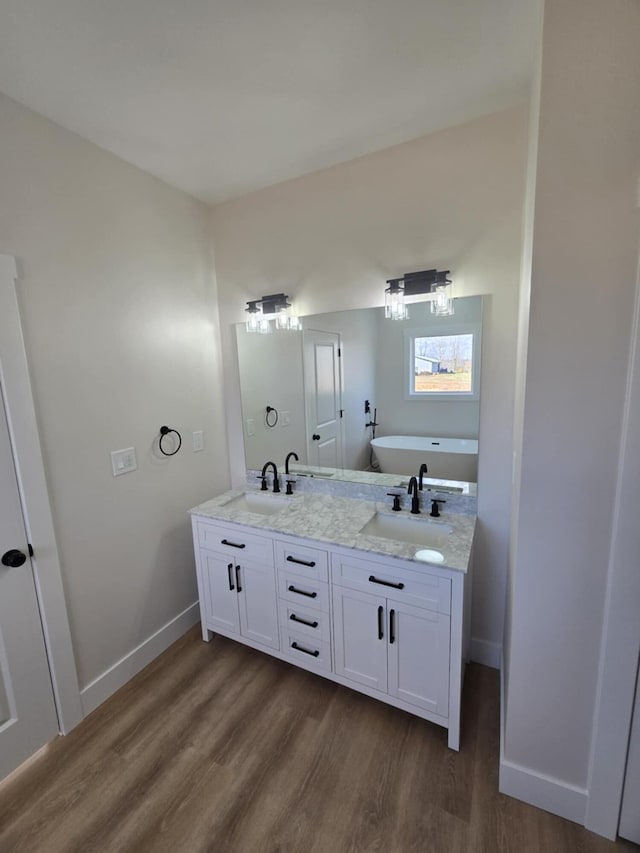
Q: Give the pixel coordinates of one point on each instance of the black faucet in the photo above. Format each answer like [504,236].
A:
[415,500]
[423,470]
[276,483]
[286,461]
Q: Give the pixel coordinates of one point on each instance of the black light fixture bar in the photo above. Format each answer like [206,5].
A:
[273,303]
[423,281]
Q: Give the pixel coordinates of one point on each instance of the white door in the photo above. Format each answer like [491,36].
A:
[221,596]
[258,604]
[27,710]
[360,637]
[323,398]
[418,656]
[630,813]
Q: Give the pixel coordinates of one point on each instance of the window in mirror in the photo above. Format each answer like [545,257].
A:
[441,364]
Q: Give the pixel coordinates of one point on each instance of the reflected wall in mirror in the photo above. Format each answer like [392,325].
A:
[419,377]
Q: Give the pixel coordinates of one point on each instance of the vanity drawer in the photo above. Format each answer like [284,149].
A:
[301,591]
[235,542]
[422,590]
[305,651]
[305,621]
[306,561]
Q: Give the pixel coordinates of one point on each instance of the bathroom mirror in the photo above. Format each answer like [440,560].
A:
[347,377]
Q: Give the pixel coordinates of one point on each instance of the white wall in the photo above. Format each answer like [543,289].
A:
[118,305]
[451,200]
[584,257]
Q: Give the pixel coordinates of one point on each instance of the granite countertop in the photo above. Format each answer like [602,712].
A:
[338,521]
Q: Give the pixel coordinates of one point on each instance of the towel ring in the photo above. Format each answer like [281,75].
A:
[164,431]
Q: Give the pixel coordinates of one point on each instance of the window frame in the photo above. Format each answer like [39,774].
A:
[434,330]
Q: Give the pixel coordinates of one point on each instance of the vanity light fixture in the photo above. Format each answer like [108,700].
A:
[262,311]
[432,286]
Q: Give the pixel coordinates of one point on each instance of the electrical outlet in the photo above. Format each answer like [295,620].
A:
[123,461]
[198,440]
[286,418]
[251,426]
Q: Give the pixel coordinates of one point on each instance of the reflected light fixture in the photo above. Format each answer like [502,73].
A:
[432,286]
[274,307]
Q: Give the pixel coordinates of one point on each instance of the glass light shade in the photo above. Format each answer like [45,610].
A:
[442,302]
[264,327]
[394,307]
[282,318]
[294,323]
[254,315]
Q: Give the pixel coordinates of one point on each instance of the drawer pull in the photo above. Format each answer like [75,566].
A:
[298,648]
[392,626]
[238,578]
[374,579]
[295,618]
[292,588]
[380,623]
[232,544]
[310,563]
[229,572]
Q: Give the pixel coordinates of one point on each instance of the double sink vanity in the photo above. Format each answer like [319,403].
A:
[375,600]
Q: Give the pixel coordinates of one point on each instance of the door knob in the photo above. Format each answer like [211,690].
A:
[14,558]
[315,436]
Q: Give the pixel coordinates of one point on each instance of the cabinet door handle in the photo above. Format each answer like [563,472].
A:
[298,648]
[229,572]
[295,618]
[380,623]
[292,588]
[392,626]
[374,579]
[310,563]
[232,544]
[238,578]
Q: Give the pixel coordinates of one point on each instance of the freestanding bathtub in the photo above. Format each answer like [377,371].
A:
[446,458]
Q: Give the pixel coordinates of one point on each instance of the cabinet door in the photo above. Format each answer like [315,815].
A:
[418,644]
[221,598]
[258,603]
[360,637]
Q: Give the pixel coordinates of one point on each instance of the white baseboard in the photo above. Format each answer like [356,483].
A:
[537,789]
[486,652]
[112,679]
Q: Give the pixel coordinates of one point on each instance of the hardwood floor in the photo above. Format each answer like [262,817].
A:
[216,747]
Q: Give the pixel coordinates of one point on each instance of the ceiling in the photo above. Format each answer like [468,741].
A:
[222,97]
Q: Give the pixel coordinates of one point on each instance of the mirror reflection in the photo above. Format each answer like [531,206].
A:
[356,395]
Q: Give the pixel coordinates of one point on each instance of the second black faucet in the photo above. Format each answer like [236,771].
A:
[263,476]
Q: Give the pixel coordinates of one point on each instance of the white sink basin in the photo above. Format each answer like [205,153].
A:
[261,503]
[417,531]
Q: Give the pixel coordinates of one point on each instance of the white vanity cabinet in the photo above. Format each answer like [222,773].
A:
[236,583]
[394,629]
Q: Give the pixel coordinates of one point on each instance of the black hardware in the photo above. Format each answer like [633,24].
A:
[238,578]
[310,563]
[392,626]
[229,572]
[341,413]
[290,484]
[422,281]
[295,618]
[232,544]
[415,500]
[339,352]
[374,579]
[423,470]
[367,407]
[315,436]
[396,501]
[271,422]
[30,547]
[298,648]
[435,509]
[263,485]
[292,588]
[164,431]
[276,481]
[14,558]
[286,461]
[380,623]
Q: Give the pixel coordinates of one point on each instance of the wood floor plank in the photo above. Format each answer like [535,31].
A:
[217,747]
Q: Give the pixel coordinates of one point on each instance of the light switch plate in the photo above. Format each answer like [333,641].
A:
[251,426]
[286,418]
[123,461]
[198,440]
